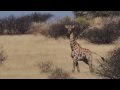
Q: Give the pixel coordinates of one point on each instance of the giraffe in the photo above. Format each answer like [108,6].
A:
[78,53]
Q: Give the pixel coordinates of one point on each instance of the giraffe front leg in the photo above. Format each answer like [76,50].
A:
[90,66]
[77,65]
[73,70]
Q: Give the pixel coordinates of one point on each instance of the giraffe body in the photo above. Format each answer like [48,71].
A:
[81,54]
[78,53]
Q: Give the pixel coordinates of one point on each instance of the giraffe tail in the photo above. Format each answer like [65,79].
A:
[99,56]
[103,58]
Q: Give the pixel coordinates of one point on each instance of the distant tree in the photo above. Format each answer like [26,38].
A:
[20,25]
[96,13]
[38,17]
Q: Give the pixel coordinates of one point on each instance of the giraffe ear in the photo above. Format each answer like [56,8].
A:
[66,26]
[73,26]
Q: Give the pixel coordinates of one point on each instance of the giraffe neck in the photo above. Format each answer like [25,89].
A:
[72,37]
[73,42]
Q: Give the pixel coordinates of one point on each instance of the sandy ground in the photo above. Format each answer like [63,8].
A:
[25,51]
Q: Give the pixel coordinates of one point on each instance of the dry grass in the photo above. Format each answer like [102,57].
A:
[24,51]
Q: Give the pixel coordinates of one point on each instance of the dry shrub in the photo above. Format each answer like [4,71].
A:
[46,66]
[108,32]
[52,71]
[59,73]
[3,56]
[111,67]
[21,25]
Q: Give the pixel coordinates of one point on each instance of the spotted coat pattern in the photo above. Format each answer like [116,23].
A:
[78,53]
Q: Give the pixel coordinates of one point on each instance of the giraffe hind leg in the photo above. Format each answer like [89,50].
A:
[89,63]
[86,61]
[77,65]
[90,66]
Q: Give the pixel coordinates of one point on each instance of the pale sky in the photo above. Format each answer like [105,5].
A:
[18,13]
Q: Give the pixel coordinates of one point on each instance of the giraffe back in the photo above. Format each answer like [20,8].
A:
[79,53]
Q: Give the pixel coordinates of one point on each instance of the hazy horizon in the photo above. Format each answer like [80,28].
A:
[57,14]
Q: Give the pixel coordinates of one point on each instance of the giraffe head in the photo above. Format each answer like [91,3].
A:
[69,28]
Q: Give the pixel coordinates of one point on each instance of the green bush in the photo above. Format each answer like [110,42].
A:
[82,20]
[96,13]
